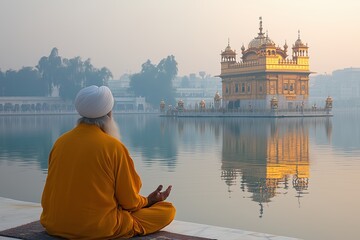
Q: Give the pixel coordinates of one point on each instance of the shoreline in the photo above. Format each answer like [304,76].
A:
[15,213]
[65,113]
[196,114]
[249,114]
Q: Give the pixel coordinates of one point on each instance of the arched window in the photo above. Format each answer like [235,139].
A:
[243,87]
[291,87]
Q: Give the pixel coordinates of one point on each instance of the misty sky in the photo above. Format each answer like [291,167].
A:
[121,35]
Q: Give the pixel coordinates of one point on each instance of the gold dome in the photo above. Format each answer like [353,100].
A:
[261,39]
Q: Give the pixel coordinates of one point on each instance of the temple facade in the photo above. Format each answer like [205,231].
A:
[265,72]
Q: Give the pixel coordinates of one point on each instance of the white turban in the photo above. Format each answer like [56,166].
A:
[94,101]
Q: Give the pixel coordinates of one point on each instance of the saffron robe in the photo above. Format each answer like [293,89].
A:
[92,190]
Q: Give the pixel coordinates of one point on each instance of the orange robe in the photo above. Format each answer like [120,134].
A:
[92,190]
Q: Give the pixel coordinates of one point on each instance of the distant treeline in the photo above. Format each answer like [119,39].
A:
[53,72]
[155,82]
[68,76]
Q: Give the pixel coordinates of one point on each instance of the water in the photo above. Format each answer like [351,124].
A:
[292,177]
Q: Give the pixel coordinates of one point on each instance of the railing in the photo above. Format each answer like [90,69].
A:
[249,112]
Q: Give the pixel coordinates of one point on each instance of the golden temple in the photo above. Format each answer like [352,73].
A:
[265,72]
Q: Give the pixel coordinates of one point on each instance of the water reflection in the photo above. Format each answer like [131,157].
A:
[269,156]
[347,131]
[265,157]
[151,138]
[267,166]
[29,138]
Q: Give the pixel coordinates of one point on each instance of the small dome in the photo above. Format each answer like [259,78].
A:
[298,42]
[228,51]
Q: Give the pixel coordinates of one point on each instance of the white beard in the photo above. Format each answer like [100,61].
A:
[112,128]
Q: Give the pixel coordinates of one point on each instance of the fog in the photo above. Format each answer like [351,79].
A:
[121,35]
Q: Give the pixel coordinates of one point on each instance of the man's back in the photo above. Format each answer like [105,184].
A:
[92,190]
[79,195]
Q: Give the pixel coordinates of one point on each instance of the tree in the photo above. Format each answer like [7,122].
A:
[2,83]
[73,78]
[10,83]
[70,75]
[25,82]
[154,82]
[101,77]
[49,68]
[29,82]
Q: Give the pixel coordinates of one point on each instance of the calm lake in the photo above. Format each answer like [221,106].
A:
[293,177]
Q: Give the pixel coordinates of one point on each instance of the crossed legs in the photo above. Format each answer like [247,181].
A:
[147,220]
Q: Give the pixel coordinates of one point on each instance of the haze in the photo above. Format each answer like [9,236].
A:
[121,35]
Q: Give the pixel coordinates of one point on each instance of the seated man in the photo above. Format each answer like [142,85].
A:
[92,188]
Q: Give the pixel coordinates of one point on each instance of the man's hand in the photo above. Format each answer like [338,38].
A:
[158,196]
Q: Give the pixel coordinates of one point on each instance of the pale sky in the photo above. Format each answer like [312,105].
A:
[121,35]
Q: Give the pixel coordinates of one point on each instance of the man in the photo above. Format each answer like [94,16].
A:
[92,188]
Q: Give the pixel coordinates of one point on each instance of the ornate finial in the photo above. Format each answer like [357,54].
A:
[228,42]
[260,28]
[298,34]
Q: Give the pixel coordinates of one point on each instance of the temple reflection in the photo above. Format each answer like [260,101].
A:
[268,156]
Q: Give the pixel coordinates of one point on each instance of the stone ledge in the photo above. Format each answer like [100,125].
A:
[15,213]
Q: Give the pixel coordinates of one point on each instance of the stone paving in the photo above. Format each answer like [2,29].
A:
[15,213]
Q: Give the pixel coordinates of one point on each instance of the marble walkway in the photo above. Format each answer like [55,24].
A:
[15,213]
